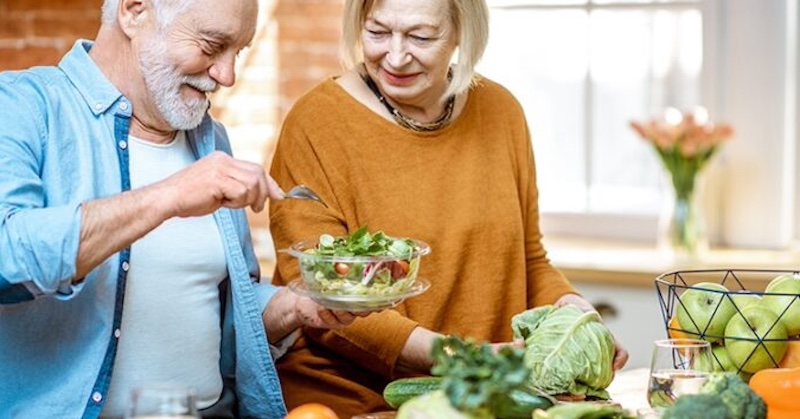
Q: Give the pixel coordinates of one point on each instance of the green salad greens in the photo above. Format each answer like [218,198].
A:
[362,264]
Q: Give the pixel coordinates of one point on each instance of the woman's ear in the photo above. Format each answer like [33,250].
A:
[131,16]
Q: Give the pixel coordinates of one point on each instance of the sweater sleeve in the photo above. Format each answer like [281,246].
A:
[375,341]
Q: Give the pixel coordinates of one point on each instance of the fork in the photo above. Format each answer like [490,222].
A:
[304,192]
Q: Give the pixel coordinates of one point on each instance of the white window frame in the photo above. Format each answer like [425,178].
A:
[750,78]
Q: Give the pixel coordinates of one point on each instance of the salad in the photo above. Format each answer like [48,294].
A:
[361,263]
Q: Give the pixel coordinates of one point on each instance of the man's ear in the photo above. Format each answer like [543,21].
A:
[132,15]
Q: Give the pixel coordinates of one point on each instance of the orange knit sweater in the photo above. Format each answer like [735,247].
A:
[468,190]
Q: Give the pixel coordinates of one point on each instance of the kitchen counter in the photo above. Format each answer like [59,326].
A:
[637,264]
[629,388]
[618,279]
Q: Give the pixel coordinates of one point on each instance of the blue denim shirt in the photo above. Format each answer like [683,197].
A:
[63,141]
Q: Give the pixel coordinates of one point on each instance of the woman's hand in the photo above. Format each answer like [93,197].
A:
[620,354]
[518,344]
[575,300]
[415,357]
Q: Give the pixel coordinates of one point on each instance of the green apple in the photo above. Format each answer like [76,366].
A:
[719,361]
[742,299]
[755,339]
[787,307]
[704,309]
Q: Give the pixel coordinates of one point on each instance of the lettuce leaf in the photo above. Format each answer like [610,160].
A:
[567,350]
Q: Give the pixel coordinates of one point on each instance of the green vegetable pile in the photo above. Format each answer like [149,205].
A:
[723,396]
[361,264]
[475,378]
[477,383]
[568,351]
[582,411]
[698,406]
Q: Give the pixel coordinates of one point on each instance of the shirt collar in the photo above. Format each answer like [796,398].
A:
[99,94]
[96,90]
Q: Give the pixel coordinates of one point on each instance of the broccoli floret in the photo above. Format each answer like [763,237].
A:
[698,406]
[742,402]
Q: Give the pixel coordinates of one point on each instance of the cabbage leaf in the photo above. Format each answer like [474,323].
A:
[567,350]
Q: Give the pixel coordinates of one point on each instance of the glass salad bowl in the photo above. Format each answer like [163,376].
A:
[359,272]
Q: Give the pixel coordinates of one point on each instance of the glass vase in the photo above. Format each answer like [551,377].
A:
[682,227]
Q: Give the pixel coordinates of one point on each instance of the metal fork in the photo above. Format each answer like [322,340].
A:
[304,192]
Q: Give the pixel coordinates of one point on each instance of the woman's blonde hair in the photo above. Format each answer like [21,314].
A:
[469,17]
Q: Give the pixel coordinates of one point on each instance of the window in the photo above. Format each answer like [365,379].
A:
[583,69]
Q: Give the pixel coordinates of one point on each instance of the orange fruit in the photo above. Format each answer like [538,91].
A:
[791,359]
[312,411]
[675,330]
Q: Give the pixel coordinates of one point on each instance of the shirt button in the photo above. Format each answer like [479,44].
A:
[98,106]
[117,334]
[123,106]
[125,266]
[97,397]
[123,144]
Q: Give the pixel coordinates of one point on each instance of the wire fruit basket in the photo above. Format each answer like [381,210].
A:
[750,316]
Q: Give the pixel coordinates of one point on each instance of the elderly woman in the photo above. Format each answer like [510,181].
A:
[407,143]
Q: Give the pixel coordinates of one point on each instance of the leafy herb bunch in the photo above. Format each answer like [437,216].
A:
[476,377]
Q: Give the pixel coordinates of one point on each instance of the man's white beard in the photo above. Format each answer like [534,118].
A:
[164,81]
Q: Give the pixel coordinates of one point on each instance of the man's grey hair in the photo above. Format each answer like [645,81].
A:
[165,10]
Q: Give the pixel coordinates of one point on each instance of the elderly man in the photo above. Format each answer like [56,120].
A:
[125,257]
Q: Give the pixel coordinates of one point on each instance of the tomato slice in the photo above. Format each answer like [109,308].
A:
[399,269]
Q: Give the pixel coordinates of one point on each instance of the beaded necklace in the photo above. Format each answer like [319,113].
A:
[407,122]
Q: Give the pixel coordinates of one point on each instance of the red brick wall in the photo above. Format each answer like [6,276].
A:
[39,32]
[295,48]
[308,45]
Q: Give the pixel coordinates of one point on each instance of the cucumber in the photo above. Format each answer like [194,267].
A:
[400,391]
[517,404]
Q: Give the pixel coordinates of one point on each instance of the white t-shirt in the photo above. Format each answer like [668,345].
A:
[170,330]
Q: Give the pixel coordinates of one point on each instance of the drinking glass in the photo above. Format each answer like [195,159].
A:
[162,401]
[679,366]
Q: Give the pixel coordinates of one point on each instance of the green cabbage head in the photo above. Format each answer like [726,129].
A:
[567,350]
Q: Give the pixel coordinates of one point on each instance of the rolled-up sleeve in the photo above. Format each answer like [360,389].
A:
[38,244]
[41,250]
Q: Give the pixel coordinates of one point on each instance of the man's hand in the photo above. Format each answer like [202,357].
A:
[110,224]
[314,315]
[219,180]
[288,311]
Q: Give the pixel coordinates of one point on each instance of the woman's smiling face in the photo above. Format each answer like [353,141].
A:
[408,45]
